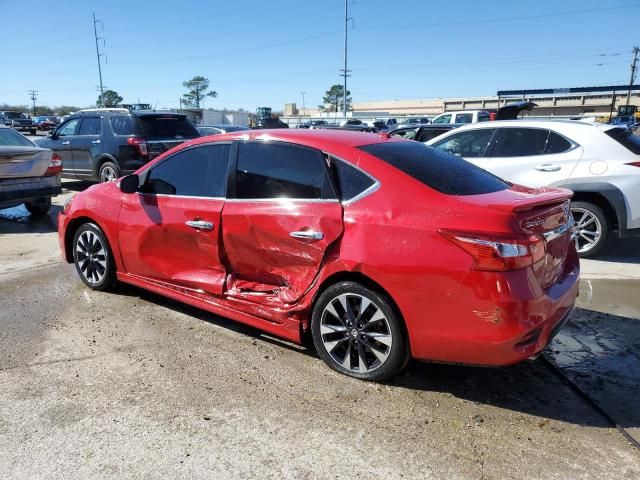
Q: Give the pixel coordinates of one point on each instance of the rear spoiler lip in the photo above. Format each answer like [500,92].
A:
[544,197]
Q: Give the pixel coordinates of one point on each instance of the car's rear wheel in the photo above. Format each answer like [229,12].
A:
[39,208]
[93,258]
[357,332]
[591,228]
[109,172]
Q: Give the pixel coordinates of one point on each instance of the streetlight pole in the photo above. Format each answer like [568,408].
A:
[98,54]
[304,109]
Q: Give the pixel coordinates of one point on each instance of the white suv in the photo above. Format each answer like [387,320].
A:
[600,163]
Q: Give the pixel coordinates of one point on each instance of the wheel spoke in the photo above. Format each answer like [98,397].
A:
[344,301]
[346,362]
[379,337]
[362,360]
[364,304]
[326,328]
[377,351]
[333,344]
[588,222]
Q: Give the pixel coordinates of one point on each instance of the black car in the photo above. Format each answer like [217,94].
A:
[17,121]
[104,144]
[423,133]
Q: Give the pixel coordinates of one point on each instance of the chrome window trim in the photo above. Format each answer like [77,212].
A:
[366,192]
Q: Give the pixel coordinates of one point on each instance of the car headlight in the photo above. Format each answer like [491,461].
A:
[67,205]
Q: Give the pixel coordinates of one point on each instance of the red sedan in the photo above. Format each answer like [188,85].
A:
[381,249]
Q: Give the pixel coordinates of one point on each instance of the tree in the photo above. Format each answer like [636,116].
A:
[198,88]
[334,99]
[109,98]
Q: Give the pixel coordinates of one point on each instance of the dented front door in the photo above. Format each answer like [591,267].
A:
[281,220]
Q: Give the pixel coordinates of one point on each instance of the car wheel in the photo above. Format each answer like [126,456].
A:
[109,172]
[33,132]
[38,209]
[357,332]
[93,258]
[591,228]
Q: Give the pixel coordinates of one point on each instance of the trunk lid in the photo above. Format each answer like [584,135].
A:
[543,212]
[23,162]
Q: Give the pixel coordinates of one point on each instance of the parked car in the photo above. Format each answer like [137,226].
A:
[599,162]
[28,174]
[205,130]
[381,249]
[17,121]
[413,121]
[351,122]
[424,133]
[45,123]
[507,112]
[313,124]
[104,144]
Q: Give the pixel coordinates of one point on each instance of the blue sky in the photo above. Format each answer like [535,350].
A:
[267,52]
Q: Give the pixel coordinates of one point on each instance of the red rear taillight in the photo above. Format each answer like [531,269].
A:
[139,144]
[496,252]
[55,166]
[634,164]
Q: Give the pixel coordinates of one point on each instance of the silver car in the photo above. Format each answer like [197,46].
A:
[28,174]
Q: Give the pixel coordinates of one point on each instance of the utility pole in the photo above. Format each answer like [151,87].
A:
[345,71]
[304,110]
[98,54]
[636,50]
[34,95]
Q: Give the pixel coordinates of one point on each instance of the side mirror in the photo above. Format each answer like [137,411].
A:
[130,183]
[52,134]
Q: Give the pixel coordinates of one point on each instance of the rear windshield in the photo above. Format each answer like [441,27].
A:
[14,115]
[167,127]
[439,170]
[11,138]
[626,138]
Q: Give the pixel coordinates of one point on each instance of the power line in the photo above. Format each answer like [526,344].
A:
[500,20]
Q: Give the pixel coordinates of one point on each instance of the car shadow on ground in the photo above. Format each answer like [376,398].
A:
[530,387]
[18,220]
[624,250]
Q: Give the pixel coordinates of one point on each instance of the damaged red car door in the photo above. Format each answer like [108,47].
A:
[170,230]
[281,218]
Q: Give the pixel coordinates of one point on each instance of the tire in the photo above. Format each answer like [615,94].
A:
[39,209]
[375,349]
[93,258]
[592,228]
[108,172]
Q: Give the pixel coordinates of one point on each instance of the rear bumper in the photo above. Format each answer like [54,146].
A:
[16,191]
[492,319]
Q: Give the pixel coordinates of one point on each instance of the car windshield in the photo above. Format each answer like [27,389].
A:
[11,138]
[441,171]
[167,126]
[14,115]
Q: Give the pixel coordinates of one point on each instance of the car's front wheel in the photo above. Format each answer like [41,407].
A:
[93,258]
[591,228]
[357,332]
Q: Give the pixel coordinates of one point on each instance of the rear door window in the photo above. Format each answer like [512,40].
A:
[557,144]
[91,126]
[429,133]
[195,172]
[436,169]
[352,182]
[470,143]
[166,127]
[464,118]
[520,142]
[268,170]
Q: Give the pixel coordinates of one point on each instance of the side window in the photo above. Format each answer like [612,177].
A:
[443,119]
[68,128]
[91,126]
[483,117]
[471,143]
[557,144]
[429,133]
[351,181]
[409,134]
[124,125]
[464,118]
[195,172]
[520,142]
[267,170]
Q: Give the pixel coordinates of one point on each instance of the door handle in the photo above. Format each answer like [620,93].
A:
[95,142]
[66,142]
[199,224]
[547,167]
[307,235]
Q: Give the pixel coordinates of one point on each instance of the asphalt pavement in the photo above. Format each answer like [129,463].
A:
[129,384]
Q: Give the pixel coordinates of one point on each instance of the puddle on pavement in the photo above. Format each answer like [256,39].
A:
[616,297]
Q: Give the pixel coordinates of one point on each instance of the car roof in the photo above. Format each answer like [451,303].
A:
[320,138]
[546,123]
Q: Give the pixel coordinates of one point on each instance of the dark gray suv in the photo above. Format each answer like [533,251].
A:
[104,144]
